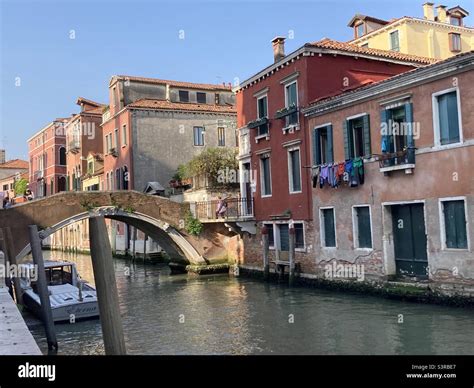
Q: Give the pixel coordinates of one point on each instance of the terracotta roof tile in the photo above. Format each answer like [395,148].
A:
[181,106]
[178,84]
[87,101]
[15,163]
[327,43]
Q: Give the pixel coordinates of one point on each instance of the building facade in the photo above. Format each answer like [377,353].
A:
[47,154]
[440,33]
[275,152]
[152,126]
[409,214]
[83,135]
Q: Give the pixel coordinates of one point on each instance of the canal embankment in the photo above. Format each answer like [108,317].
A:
[418,292]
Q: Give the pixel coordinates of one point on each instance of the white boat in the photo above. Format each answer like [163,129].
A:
[71,298]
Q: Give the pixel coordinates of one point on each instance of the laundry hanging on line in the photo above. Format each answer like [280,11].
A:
[350,172]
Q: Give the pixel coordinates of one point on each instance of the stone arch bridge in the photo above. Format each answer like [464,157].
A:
[158,217]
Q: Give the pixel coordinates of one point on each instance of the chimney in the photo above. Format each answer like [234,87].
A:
[442,14]
[278,44]
[428,11]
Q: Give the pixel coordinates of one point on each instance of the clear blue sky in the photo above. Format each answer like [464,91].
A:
[223,40]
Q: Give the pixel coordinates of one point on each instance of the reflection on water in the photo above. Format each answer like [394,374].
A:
[165,314]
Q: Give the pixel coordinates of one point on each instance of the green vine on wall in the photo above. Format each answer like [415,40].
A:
[192,225]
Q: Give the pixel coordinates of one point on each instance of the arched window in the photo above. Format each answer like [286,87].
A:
[125,178]
[62,156]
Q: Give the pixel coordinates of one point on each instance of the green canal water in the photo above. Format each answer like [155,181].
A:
[164,314]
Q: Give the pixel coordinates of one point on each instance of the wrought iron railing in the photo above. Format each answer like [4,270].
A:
[407,156]
[234,209]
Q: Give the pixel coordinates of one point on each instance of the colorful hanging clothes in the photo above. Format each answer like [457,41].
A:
[315,175]
[323,177]
[358,165]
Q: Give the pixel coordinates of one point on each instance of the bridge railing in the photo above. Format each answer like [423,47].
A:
[235,209]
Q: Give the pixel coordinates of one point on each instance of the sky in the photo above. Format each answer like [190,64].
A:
[52,52]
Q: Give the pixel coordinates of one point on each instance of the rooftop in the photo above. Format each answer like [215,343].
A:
[177,84]
[15,164]
[181,106]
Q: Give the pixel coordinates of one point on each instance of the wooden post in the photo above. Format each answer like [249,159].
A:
[12,260]
[266,245]
[134,239]
[43,292]
[107,294]
[291,254]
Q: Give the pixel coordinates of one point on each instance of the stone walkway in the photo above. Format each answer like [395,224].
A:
[15,338]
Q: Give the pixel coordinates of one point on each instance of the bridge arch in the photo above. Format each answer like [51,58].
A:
[170,239]
[158,217]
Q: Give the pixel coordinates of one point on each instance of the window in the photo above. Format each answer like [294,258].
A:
[217,99]
[114,92]
[394,41]
[183,96]
[357,137]
[201,97]
[291,97]
[62,156]
[108,142]
[198,136]
[398,134]
[455,21]
[328,229]
[90,167]
[265,177]
[116,143]
[125,178]
[262,111]
[118,179]
[447,123]
[271,237]
[455,231]
[299,235]
[221,136]
[360,30]
[454,42]
[124,135]
[294,169]
[322,145]
[362,227]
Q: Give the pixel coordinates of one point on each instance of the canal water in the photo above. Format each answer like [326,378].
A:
[164,314]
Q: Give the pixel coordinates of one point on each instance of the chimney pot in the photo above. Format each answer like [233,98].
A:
[278,45]
[428,11]
[442,14]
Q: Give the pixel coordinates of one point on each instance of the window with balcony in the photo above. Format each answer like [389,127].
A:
[398,137]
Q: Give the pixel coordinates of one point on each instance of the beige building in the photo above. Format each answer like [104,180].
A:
[440,33]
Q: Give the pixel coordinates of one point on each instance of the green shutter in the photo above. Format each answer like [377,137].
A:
[329,149]
[345,128]
[409,121]
[384,121]
[366,134]
[316,148]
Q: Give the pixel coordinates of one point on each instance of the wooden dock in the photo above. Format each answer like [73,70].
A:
[15,338]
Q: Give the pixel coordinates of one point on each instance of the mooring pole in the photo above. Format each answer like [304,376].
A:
[107,294]
[291,254]
[8,240]
[266,245]
[43,292]
[134,239]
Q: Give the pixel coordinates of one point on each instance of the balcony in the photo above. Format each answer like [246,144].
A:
[286,111]
[238,209]
[393,161]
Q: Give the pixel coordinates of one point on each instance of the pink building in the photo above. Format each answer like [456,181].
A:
[47,157]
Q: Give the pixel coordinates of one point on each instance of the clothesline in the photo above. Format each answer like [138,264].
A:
[350,172]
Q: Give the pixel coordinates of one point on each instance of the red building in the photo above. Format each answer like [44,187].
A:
[275,144]
[47,155]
